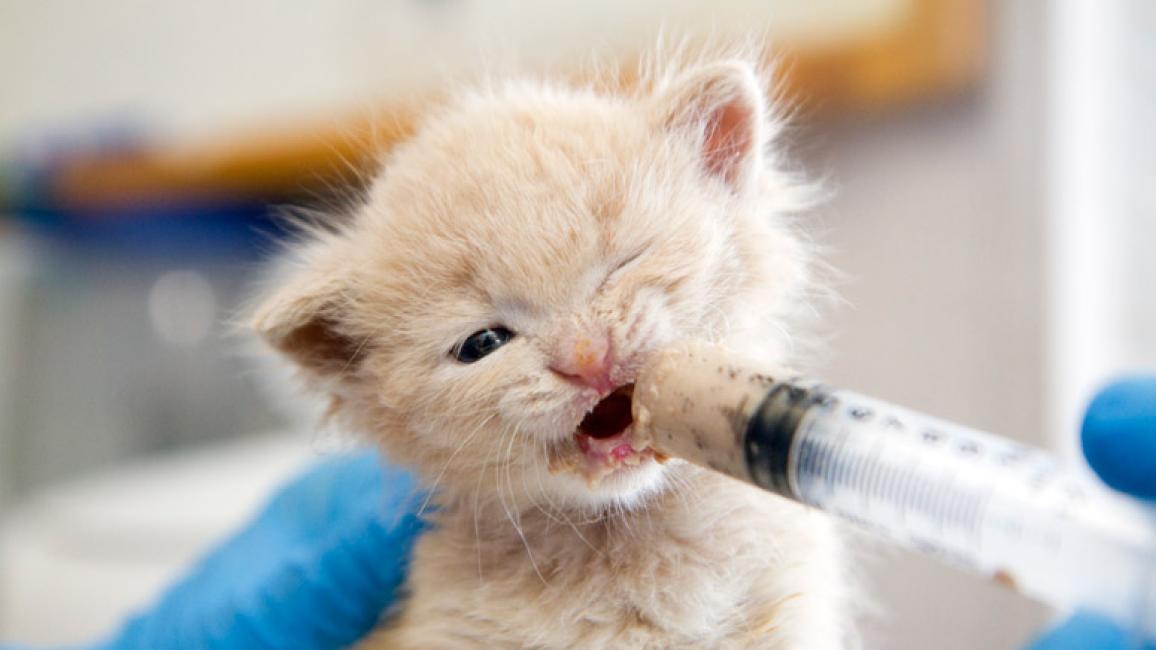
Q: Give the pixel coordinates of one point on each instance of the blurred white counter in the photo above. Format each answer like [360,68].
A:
[77,558]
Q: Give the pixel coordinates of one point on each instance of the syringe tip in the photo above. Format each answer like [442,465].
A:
[693,400]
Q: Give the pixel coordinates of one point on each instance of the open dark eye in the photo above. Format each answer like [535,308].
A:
[481,343]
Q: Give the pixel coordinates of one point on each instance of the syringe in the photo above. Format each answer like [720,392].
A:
[978,501]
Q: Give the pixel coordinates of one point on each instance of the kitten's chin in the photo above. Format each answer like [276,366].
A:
[625,487]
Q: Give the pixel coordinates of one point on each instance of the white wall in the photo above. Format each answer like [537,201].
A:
[14,271]
[938,222]
[179,67]
[185,68]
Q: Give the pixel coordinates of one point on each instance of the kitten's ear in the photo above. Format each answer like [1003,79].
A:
[305,321]
[722,107]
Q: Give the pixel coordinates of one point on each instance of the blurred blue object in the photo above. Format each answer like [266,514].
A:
[1085,631]
[197,230]
[1119,436]
[181,225]
[315,570]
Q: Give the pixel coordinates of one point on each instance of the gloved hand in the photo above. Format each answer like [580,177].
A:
[313,571]
[1119,439]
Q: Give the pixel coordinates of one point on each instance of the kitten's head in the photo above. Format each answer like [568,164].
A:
[520,257]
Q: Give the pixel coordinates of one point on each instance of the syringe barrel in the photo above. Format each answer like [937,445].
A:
[973,499]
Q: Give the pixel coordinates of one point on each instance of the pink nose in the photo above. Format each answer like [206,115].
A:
[585,360]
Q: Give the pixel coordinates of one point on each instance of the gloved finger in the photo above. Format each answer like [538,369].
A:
[1119,436]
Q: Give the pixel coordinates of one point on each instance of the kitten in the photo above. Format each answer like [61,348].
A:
[507,275]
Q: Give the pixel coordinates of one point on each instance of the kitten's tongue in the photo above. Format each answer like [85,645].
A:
[613,448]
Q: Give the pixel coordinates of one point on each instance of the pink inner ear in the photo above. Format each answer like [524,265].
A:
[729,138]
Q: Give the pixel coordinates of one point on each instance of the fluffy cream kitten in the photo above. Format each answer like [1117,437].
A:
[510,270]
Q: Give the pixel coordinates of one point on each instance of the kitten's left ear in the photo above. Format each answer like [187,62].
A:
[721,106]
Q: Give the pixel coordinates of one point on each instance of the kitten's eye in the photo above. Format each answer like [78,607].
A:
[481,343]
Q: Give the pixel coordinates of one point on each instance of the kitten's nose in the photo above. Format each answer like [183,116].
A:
[585,360]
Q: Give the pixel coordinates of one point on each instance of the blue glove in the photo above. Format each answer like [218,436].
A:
[314,570]
[1119,438]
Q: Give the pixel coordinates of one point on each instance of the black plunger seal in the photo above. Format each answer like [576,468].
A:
[771,430]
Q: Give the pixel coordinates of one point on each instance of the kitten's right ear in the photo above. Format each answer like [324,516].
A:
[305,320]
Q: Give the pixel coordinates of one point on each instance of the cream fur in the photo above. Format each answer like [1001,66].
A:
[645,217]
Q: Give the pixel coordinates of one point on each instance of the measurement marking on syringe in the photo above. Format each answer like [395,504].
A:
[828,471]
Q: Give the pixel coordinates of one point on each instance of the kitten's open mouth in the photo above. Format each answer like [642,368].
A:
[604,443]
[611,416]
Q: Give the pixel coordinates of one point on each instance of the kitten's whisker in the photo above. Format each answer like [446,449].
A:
[552,507]
[478,506]
[509,514]
[446,466]
[530,497]
[560,511]
[508,482]
[550,518]
[356,353]
[680,487]
[477,528]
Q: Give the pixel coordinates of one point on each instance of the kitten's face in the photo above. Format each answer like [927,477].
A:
[514,267]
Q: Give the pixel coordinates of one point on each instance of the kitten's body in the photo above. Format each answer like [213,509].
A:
[710,566]
[593,227]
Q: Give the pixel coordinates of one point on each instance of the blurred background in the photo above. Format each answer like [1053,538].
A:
[989,166]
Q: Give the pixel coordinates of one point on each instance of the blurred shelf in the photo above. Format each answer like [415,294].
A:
[928,50]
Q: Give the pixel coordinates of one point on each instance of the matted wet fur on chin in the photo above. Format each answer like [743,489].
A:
[511,268]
